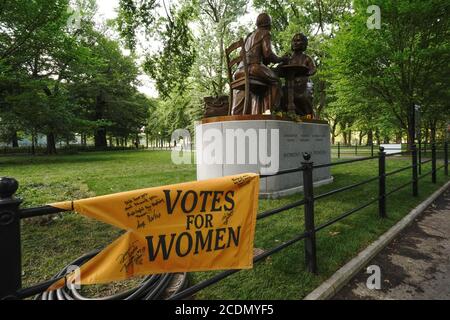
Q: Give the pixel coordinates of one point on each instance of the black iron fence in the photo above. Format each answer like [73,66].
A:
[11,214]
[340,150]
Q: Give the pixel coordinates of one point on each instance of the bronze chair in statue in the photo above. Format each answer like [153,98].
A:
[248,84]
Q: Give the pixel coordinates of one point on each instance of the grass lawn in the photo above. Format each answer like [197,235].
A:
[47,247]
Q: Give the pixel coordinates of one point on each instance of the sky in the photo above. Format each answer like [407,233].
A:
[107,10]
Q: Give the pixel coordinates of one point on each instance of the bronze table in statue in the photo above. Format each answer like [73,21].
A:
[290,72]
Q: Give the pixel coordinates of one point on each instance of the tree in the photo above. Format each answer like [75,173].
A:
[103,85]
[171,66]
[59,80]
[216,20]
[32,40]
[402,63]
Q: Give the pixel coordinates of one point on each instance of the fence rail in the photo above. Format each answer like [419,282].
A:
[11,214]
[340,150]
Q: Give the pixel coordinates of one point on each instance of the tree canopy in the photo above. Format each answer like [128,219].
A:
[59,81]
[61,74]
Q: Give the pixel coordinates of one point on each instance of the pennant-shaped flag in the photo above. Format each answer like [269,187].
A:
[194,226]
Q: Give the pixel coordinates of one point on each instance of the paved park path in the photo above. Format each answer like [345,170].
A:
[416,265]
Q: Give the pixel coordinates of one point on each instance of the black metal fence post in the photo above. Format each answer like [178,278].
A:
[308,191]
[10,252]
[446,158]
[371,149]
[356,149]
[420,157]
[382,183]
[339,150]
[433,163]
[415,187]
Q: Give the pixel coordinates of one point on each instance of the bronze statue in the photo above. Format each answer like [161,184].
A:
[259,55]
[300,92]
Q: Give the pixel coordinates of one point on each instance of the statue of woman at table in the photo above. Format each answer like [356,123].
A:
[258,47]
[303,86]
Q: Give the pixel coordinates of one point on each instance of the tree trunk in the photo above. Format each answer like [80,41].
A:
[100,133]
[370,138]
[51,143]
[427,134]
[344,133]
[137,141]
[361,136]
[33,144]
[83,140]
[411,135]
[322,99]
[398,137]
[221,84]
[100,138]
[333,132]
[14,140]
[433,133]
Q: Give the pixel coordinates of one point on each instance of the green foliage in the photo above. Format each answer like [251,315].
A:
[135,17]
[394,67]
[171,66]
[217,28]
[58,79]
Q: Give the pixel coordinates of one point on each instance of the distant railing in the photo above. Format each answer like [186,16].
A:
[11,214]
[64,149]
[340,150]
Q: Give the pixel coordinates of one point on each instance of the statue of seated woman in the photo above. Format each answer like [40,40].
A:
[303,86]
[259,55]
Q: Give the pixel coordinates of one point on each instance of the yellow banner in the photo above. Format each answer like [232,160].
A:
[194,226]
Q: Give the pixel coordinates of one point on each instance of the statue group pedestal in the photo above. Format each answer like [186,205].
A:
[232,145]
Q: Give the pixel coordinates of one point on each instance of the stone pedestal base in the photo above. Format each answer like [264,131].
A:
[266,142]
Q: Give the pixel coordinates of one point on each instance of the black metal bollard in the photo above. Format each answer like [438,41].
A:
[382,183]
[308,191]
[415,187]
[446,158]
[433,163]
[10,251]
[371,149]
[356,149]
[339,150]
